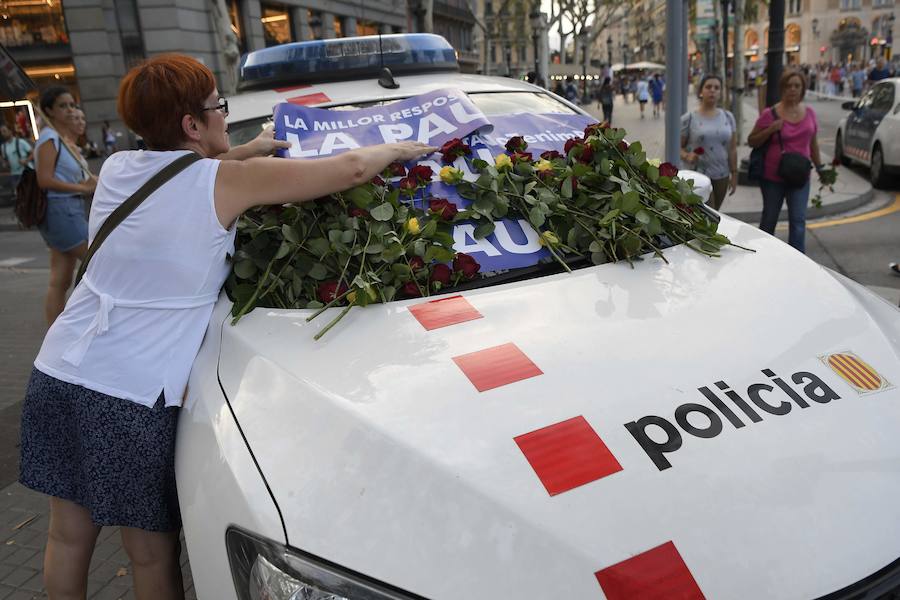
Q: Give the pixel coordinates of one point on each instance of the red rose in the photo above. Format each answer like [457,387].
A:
[440,273]
[571,144]
[396,169]
[587,154]
[444,208]
[329,290]
[421,173]
[378,181]
[416,263]
[358,212]
[465,264]
[699,151]
[411,290]
[622,146]
[667,169]
[574,184]
[836,162]
[595,129]
[520,156]
[516,144]
[408,185]
[550,154]
[454,149]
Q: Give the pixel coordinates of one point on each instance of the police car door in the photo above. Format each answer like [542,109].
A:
[853,140]
[881,105]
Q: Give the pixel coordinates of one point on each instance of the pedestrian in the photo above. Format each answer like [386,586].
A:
[657,87]
[605,98]
[643,93]
[571,91]
[879,71]
[709,140]
[857,79]
[109,138]
[16,153]
[101,408]
[790,127]
[63,173]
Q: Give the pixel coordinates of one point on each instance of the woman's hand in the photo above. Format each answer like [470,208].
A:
[732,183]
[89,184]
[776,125]
[407,151]
[265,143]
[690,157]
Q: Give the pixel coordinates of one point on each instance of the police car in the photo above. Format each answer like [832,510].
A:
[702,427]
[870,134]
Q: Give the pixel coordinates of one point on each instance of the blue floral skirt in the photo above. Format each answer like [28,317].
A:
[114,457]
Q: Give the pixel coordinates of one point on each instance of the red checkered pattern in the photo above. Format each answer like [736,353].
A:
[567,455]
[498,366]
[657,574]
[444,312]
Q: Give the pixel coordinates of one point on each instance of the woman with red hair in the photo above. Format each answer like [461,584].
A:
[100,412]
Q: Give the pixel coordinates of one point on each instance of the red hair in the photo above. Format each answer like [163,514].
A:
[155,95]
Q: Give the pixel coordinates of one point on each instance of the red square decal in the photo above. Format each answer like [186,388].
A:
[659,573]
[567,455]
[309,99]
[444,312]
[497,366]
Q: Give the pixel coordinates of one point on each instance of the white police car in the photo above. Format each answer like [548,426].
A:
[719,428]
[870,133]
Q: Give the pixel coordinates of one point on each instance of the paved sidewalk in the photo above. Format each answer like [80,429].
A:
[850,190]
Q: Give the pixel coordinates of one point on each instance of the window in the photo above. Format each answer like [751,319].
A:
[850,4]
[234,13]
[276,25]
[32,23]
[883,97]
[338,27]
[366,28]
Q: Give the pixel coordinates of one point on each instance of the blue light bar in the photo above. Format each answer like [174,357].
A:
[347,58]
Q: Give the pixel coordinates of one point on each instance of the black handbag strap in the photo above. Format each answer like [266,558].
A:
[126,208]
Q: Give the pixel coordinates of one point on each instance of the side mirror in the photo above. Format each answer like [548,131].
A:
[849,105]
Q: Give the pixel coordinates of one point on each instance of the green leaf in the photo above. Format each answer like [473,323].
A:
[529,186]
[290,234]
[430,228]
[334,236]
[438,254]
[479,164]
[642,217]
[245,269]
[483,230]
[536,217]
[401,270]
[382,212]
[653,173]
[318,246]
[283,250]
[610,216]
[362,196]
[631,202]
[318,271]
[374,248]
[566,189]
[484,204]
[348,236]
[393,252]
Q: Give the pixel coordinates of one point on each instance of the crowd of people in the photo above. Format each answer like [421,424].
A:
[847,79]
[641,87]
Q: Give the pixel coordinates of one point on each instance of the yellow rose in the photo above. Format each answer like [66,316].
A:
[548,238]
[351,297]
[543,165]
[451,175]
[655,162]
[412,226]
[502,161]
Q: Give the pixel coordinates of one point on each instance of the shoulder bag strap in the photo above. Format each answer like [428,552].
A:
[127,207]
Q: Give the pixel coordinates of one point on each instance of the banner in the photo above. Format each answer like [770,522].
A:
[317,132]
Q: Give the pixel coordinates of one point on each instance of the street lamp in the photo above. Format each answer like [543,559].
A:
[584,39]
[609,45]
[536,25]
[888,48]
[624,57]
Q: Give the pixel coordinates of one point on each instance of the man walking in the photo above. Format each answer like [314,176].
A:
[16,153]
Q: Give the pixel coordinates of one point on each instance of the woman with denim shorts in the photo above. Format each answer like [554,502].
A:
[62,173]
[792,127]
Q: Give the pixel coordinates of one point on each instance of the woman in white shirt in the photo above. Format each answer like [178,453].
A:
[100,412]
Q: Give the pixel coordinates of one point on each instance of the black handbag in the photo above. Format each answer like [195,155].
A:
[758,158]
[793,168]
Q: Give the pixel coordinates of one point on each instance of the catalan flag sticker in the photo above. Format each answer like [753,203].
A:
[856,372]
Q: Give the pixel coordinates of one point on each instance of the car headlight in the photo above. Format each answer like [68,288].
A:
[266,570]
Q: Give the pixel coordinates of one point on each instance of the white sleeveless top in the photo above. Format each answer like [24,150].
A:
[133,326]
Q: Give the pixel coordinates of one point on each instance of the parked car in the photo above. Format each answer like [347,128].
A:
[702,427]
[870,134]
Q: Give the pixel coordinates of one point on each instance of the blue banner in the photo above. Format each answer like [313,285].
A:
[317,132]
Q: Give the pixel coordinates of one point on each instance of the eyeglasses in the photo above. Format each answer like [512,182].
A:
[222,106]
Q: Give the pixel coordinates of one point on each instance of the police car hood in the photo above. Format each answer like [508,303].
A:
[602,456]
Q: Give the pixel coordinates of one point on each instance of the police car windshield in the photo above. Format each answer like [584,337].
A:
[490,103]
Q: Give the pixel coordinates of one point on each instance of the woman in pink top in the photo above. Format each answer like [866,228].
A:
[793,125]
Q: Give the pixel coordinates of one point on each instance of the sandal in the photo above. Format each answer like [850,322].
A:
[895,267]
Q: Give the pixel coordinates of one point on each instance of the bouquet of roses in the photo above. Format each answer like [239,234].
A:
[827,179]
[600,200]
